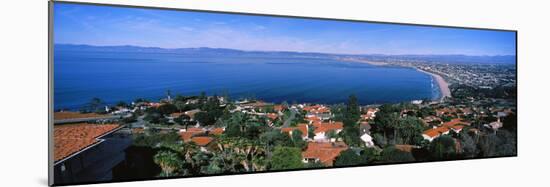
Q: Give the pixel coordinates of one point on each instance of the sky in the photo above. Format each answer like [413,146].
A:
[108,26]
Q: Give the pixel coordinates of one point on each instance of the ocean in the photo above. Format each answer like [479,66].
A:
[80,76]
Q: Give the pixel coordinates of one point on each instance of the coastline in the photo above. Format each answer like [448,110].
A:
[364,61]
[441,83]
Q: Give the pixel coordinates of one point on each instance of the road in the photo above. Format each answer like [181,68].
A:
[290,118]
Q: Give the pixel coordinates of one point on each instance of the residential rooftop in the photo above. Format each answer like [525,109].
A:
[70,139]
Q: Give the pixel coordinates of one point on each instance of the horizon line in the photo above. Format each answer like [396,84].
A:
[243,50]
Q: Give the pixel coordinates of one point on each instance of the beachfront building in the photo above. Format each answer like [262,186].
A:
[86,152]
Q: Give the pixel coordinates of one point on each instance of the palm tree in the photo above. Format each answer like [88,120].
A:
[170,162]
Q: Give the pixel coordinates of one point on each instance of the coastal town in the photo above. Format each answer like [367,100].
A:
[195,135]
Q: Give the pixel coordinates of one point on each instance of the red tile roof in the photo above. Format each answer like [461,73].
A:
[202,140]
[190,132]
[301,127]
[436,131]
[454,122]
[313,119]
[278,107]
[325,127]
[272,116]
[326,152]
[69,139]
[217,131]
[317,109]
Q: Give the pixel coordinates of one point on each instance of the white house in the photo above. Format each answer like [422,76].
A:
[368,140]
[322,129]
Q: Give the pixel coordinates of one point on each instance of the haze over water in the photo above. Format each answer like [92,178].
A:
[80,76]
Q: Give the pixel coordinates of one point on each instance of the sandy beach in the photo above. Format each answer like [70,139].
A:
[442,84]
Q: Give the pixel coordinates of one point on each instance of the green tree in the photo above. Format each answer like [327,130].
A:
[351,136]
[409,130]
[180,105]
[184,120]
[286,158]
[169,162]
[468,145]
[203,118]
[443,148]
[235,125]
[386,120]
[392,155]
[353,111]
[166,109]
[311,132]
[297,138]
[350,158]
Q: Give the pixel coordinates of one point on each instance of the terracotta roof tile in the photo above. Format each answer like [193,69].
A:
[69,139]
[301,127]
[325,127]
[190,132]
[217,131]
[202,140]
[326,152]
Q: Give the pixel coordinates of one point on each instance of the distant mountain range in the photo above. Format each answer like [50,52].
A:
[498,59]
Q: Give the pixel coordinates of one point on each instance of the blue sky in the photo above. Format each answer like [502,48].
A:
[103,25]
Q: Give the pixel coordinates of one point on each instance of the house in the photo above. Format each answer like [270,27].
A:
[364,128]
[313,119]
[323,152]
[456,125]
[155,105]
[322,129]
[279,108]
[216,131]
[302,127]
[88,152]
[272,116]
[495,125]
[370,114]
[316,109]
[66,117]
[430,118]
[320,111]
[204,142]
[174,115]
[367,139]
[187,134]
[191,113]
[435,132]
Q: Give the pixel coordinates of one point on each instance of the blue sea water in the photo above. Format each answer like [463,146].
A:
[80,76]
